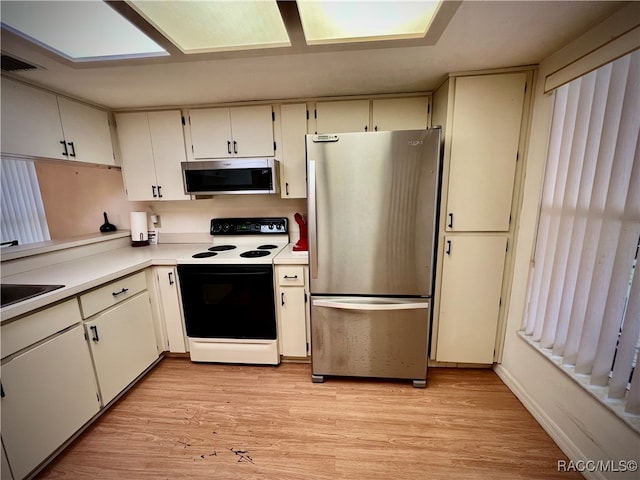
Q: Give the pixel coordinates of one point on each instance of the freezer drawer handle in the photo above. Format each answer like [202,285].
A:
[124,290]
[370,306]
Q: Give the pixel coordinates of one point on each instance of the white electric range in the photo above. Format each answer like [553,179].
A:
[228,292]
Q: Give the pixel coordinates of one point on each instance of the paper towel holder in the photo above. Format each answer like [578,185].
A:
[139,232]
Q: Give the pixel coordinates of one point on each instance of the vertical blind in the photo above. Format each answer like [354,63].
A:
[584,298]
[22,211]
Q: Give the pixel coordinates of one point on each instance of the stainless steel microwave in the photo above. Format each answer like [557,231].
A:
[234,175]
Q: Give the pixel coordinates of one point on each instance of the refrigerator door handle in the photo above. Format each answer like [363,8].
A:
[376,304]
[313,220]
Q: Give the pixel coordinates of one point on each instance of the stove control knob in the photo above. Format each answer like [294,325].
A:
[225,227]
[216,227]
[271,226]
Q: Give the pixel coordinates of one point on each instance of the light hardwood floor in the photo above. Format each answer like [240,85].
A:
[206,421]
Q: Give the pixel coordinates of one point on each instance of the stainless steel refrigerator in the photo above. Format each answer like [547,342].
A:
[372,206]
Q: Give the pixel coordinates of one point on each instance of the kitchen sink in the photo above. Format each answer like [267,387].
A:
[11,293]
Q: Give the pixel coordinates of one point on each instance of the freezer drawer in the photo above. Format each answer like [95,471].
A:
[369,337]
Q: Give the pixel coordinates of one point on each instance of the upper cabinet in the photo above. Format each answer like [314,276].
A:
[232,132]
[399,114]
[485,134]
[292,153]
[152,147]
[380,114]
[37,123]
[342,116]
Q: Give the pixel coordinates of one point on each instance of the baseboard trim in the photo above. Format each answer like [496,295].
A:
[569,448]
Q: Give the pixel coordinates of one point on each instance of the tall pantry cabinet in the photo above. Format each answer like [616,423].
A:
[484,121]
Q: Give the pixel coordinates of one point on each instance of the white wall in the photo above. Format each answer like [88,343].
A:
[582,427]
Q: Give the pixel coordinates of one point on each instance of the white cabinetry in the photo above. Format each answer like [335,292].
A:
[342,116]
[483,117]
[36,123]
[292,303]
[487,117]
[49,390]
[379,114]
[232,132]
[292,154]
[152,147]
[122,338]
[170,304]
[472,272]
[409,113]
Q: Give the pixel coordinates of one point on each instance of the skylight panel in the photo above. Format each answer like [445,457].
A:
[214,26]
[331,21]
[79,31]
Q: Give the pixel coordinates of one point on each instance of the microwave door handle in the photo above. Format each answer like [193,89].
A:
[313,219]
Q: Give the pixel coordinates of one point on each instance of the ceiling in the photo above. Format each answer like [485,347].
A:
[480,35]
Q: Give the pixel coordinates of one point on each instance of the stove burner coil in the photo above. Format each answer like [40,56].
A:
[255,253]
[221,248]
[267,247]
[204,255]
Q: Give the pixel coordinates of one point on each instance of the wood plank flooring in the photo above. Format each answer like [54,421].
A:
[207,421]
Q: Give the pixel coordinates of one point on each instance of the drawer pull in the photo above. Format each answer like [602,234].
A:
[290,277]
[124,290]
[95,337]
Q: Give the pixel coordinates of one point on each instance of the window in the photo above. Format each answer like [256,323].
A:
[584,290]
[22,211]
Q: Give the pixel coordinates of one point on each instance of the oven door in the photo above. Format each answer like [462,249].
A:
[228,301]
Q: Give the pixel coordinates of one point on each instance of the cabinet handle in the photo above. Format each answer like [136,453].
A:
[235,147]
[376,128]
[73,149]
[290,276]
[286,188]
[153,188]
[450,220]
[64,144]
[448,252]
[1,391]
[229,147]
[95,337]
[124,290]
[282,298]
[171,282]
[366,128]
[159,192]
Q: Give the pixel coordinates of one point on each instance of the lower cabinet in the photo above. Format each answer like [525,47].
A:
[170,306]
[292,307]
[48,393]
[472,271]
[123,344]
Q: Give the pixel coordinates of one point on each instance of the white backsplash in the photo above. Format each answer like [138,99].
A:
[194,216]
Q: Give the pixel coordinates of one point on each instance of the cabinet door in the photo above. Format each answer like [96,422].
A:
[86,131]
[123,344]
[400,114]
[30,122]
[171,311]
[49,393]
[211,133]
[342,116]
[293,183]
[470,298]
[293,329]
[485,133]
[138,169]
[167,140]
[252,131]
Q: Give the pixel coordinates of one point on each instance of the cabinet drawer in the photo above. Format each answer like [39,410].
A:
[38,326]
[112,293]
[290,275]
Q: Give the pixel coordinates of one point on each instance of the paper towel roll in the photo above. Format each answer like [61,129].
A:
[139,232]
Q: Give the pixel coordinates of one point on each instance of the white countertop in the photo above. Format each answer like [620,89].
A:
[93,270]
